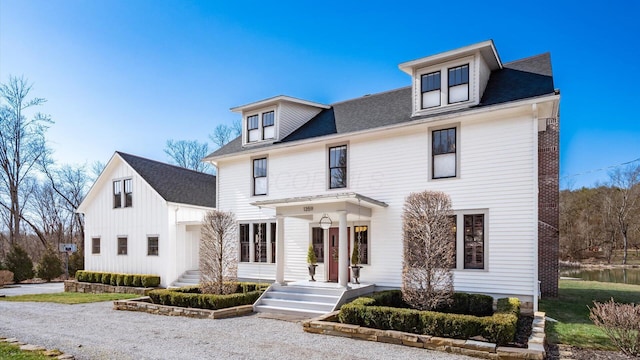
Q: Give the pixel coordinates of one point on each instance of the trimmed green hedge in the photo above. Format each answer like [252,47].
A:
[116,279]
[499,328]
[246,294]
[463,303]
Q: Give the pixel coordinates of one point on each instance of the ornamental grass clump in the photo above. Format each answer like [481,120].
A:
[620,322]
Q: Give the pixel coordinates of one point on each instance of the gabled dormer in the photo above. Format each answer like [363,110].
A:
[271,120]
[453,79]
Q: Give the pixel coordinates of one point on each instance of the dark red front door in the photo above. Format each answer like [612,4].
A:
[334,245]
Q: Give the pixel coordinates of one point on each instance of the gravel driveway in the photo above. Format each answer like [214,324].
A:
[96,331]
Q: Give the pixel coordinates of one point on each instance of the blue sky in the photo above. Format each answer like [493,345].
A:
[129,75]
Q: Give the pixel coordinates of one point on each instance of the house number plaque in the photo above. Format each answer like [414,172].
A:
[307,208]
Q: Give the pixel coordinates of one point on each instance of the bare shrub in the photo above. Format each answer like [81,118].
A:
[218,253]
[621,323]
[6,277]
[429,252]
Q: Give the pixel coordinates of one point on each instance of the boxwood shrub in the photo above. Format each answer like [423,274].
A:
[372,311]
[117,279]
[246,294]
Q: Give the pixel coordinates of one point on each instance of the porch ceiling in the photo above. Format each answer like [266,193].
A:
[349,197]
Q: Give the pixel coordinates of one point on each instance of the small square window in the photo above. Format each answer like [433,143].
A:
[152,246]
[122,246]
[95,246]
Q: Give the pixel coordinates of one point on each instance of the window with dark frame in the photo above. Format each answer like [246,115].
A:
[268,121]
[122,245]
[362,237]
[317,241]
[338,167]
[273,243]
[474,241]
[459,84]
[443,153]
[430,88]
[244,242]
[128,193]
[117,194]
[260,242]
[152,246]
[454,238]
[253,133]
[95,246]
[260,176]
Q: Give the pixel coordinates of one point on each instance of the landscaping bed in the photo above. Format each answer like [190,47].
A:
[384,317]
[144,304]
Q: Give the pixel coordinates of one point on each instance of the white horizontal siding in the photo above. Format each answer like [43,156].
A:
[496,173]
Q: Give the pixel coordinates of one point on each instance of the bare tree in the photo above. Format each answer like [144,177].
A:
[427,280]
[219,253]
[221,135]
[188,154]
[96,169]
[237,127]
[625,201]
[22,145]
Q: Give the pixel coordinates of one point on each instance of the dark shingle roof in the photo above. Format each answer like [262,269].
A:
[517,80]
[173,183]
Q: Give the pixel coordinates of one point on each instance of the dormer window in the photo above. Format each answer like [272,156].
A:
[459,84]
[261,126]
[268,122]
[431,90]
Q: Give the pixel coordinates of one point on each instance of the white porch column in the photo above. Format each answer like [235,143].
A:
[343,250]
[280,250]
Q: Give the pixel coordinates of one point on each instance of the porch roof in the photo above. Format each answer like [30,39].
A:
[320,199]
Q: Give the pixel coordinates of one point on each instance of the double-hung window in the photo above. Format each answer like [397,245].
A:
[443,149]
[95,246]
[260,176]
[128,193]
[268,122]
[152,246]
[252,128]
[474,241]
[430,88]
[459,84]
[244,242]
[122,245]
[338,167]
[117,194]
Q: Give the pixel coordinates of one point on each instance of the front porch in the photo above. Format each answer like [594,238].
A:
[337,217]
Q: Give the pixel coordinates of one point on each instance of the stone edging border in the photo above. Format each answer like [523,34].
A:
[57,354]
[535,347]
[143,304]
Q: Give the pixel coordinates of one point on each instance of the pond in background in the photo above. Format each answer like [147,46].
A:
[618,275]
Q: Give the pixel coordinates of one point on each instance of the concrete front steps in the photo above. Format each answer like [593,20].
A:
[303,299]
[189,278]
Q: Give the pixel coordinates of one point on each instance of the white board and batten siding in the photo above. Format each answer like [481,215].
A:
[496,175]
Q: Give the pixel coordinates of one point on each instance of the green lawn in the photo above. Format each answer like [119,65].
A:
[70,298]
[570,309]
[13,352]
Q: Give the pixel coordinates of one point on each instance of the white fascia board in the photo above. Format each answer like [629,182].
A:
[487,48]
[199,207]
[340,137]
[274,101]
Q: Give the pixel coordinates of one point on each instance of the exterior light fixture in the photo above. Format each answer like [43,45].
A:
[325,222]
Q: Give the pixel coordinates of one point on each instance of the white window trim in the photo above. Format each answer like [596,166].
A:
[252,185]
[260,129]
[156,236]
[118,237]
[252,224]
[460,239]
[327,170]
[457,126]
[444,86]
[100,239]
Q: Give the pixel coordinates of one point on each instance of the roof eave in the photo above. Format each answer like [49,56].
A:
[486,48]
[275,100]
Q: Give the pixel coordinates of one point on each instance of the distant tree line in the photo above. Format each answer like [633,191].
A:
[38,196]
[603,220]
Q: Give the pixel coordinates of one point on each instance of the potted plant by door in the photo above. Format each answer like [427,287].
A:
[355,268]
[311,261]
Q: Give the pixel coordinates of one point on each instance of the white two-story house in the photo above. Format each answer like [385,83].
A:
[483,131]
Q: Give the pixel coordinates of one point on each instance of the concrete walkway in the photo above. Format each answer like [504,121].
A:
[28,289]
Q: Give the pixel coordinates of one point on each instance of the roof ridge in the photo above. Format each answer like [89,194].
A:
[527,58]
[163,163]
